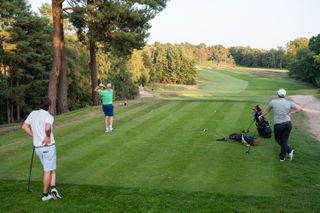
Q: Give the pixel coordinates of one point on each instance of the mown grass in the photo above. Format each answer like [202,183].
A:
[159,159]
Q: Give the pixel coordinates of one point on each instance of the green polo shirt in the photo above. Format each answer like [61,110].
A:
[106,96]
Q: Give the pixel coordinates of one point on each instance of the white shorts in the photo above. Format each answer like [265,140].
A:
[47,156]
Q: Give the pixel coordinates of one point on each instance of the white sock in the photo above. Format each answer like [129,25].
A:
[110,127]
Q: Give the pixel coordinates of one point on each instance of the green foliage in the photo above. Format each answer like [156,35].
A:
[314,44]
[26,66]
[168,64]
[220,55]
[295,45]
[121,78]
[249,57]
[120,26]
[79,89]
[305,63]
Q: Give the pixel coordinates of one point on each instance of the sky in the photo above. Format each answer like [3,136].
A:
[262,24]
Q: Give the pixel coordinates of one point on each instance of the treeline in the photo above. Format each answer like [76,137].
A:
[304,59]
[31,66]
[162,63]
[240,56]
[250,57]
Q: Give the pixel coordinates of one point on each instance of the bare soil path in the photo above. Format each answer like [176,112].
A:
[143,93]
[311,106]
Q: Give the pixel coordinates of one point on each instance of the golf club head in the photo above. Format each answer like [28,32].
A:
[29,190]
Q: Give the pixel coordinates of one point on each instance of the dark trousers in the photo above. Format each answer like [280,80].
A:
[281,134]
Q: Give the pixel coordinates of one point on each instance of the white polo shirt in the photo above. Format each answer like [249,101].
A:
[37,119]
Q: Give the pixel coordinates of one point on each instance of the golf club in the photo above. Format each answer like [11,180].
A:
[249,147]
[248,150]
[30,190]
[247,130]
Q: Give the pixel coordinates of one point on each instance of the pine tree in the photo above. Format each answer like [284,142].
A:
[119,26]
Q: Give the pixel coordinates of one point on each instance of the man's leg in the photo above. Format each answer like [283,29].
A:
[46,181]
[285,137]
[110,122]
[106,120]
[278,134]
[54,190]
[53,178]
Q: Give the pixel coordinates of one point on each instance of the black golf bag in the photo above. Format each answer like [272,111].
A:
[262,124]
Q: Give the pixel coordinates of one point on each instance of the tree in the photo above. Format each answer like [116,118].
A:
[306,63]
[314,44]
[221,55]
[168,63]
[24,64]
[120,26]
[294,46]
[59,62]
[135,66]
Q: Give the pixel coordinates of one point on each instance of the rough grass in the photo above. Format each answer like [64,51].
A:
[159,159]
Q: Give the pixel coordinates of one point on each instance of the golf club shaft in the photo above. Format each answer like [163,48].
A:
[30,168]
[248,150]
[250,125]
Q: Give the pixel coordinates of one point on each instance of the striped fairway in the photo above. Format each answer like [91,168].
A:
[159,144]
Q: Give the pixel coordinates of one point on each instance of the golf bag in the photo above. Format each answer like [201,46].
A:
[244,139]
[263,126]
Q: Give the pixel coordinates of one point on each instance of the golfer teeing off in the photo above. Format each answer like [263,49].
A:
[106,94]
[283,109]
[38,125]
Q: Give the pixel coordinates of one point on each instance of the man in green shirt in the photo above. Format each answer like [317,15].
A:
[106,94]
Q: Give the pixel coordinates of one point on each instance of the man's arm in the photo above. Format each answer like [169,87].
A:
[97,87]
[47,139]
[265,112]
[297,109]
[26,128]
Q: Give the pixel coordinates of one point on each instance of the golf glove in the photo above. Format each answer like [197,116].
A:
[101,85]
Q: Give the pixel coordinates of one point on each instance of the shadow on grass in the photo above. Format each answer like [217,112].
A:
[85,198]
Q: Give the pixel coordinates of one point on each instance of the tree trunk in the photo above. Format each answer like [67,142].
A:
[8,111]
[57,49]
[11,114]
[18,104]
[63,80]
[93,69]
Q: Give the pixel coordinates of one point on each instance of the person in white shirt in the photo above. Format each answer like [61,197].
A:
[39,125]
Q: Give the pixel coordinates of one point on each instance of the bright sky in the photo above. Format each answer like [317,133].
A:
[262,24]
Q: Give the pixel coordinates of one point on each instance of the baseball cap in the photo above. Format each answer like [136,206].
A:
[282,92]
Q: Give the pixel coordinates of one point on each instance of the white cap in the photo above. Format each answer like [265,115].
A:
[282,92]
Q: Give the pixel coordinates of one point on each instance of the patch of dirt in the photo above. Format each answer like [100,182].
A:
[143,93]
[311,107]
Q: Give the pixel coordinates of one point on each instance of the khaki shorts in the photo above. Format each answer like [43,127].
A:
[47,156]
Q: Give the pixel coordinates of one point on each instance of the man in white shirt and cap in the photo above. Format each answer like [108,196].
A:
[39,125]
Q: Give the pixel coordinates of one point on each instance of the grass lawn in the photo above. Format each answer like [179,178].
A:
[159,159]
